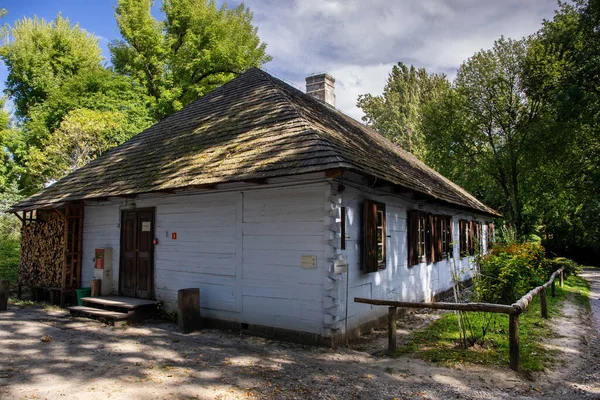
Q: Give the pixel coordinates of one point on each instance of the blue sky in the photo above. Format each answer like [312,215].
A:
[357,41]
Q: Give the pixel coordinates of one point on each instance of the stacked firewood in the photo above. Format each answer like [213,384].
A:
[42,252]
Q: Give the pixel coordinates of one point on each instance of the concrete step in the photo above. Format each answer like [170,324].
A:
[110,317]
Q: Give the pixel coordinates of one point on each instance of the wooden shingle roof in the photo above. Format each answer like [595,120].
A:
[254,127]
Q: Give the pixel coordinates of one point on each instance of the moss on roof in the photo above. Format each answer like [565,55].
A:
[255,126]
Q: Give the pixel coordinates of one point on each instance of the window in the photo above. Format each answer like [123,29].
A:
[445,242]
[429,237]
[464,237]
[374,236]
[470,233]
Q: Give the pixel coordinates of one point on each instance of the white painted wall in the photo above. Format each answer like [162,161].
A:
[398,281]
[242,249]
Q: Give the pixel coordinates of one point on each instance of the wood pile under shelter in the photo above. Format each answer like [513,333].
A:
[51,246]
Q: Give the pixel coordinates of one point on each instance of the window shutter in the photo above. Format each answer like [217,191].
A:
[370,236]
[429,244]
[413,237]
[438,226]
[450,238]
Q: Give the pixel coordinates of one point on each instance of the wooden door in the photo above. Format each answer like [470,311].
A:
[137,254]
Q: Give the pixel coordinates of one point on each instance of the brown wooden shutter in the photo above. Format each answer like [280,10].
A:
[450,237]
[381,207]
[370,236]
[412,232]
[439,248]
[429,245]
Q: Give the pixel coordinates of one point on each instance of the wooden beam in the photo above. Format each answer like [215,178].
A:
[257,181]
[482,307]
[543,303]
[513,339]
[392,336]
[334,173]
[207,186]
[18,216]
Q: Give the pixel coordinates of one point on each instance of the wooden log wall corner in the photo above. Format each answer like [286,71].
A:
[51,248]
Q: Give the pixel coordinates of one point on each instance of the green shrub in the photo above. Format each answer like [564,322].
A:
[9,259]
[570,266]
[509,271]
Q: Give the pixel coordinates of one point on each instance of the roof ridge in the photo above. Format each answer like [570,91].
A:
[300,114]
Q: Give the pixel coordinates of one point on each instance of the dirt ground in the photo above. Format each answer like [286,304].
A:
[82,359]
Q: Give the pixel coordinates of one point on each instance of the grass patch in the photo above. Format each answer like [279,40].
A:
[33,304]
[439,342]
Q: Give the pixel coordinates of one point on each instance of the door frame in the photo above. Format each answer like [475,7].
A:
[122,255]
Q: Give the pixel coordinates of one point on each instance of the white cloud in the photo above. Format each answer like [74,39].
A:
[359,41]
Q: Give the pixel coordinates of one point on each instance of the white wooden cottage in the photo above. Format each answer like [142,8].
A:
[278,207]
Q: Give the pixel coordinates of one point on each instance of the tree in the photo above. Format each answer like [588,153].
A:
[486,125]
[40,55]
[197,48]
[107,108]
[397,113]
[562,70]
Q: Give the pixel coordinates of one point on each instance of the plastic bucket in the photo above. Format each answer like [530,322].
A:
[81,293]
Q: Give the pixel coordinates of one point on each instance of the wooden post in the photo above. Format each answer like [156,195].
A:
[553,288]
[188,315]
[96,287]
[392,331]
[513,338]
[562,278]
[543,303]
[19,291]
[4,287]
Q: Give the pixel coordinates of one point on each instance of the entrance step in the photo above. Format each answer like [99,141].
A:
[127,308]
[110,317]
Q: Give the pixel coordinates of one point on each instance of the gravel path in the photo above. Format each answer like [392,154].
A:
[592,275]
[48,354]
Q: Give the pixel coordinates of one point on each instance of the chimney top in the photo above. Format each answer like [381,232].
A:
[322,87]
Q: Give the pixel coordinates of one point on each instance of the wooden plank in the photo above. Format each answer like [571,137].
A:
[119,301]
[481,307]
[98,312]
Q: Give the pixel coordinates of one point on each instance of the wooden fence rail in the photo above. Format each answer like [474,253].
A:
[513,311]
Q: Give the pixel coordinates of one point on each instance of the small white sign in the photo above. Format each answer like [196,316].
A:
[309,262]
[146,226]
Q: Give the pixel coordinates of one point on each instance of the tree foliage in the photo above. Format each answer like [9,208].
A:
[40,55]
[520,128]
[54,73]
[197,48]
[563,71]
[481,133]
[397,113]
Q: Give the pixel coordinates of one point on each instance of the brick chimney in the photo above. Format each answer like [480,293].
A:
[321,87]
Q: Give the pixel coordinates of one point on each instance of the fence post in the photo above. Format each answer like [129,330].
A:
[513,338]
[543,303]
[392,331]
[553,288]
[562,278]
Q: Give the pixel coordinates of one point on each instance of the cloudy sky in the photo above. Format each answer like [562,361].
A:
[355,41]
